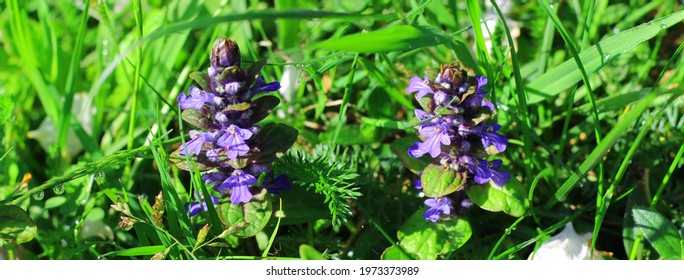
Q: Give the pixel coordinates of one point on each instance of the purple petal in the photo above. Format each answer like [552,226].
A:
[481,82]
[234,141]
[415,150]
[278,184]
[420,86]
[196,100]
[240,194]
[479,169]
[498,176]
[193,208]
[421,115]
[213,177]
[195,145]
[438,206]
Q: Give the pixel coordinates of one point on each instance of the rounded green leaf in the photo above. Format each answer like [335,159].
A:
[254,215]
[660,232]
[439,180]
[15,224]
[271,139]
[55,202]
[426,240]
[394,253]
[511,198]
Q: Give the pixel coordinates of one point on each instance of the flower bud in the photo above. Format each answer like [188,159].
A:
[224,53]
[452,74]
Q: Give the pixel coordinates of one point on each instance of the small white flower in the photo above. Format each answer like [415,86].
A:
[567,245]
[289,82]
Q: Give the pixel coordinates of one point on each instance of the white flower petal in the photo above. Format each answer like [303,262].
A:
[566,245]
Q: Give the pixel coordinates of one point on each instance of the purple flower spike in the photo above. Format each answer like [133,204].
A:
[498,176]
[195,145]
[481,81]
[194,208]
[196,100]
[438,206]
[437,135]
[490,137]
[479,168]
[234,141]
[420,86]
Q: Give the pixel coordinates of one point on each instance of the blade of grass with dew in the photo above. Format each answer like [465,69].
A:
[572,47]
[382,79]
[206,22]
[614,134]
[602,208]
[520,90]
[104,164]
[394,38]
[473,7]
[137,11]
[74,67]
[562,77]
[342,115]
[136,251]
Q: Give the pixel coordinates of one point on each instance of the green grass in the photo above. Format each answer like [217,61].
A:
[591,100]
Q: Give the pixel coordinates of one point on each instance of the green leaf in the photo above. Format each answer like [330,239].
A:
[237,107]
[562,77]
[253,70]
[660,232]
[306,252]
[439,181]
[254,214]
[55,202]
[302,206]
[393,124]
[427,240]
[15,224]
[262,107]
[394,38]
[195,118]
[400,148]
[202,79]
[394,253]
[139,251]
[272,139]
[511,198]
[182,163]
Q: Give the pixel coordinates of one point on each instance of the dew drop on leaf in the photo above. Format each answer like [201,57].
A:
[100,178]
[58,189]
[38,195]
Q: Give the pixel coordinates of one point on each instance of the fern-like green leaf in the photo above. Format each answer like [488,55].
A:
[335,180]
